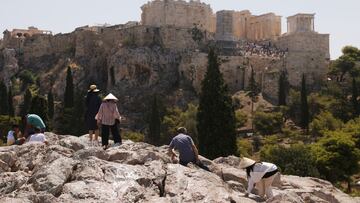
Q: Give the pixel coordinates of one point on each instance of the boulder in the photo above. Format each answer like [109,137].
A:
[69,170]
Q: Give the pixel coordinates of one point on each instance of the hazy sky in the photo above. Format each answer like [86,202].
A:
[340,18]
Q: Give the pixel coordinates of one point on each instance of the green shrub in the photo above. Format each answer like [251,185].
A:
[268,123]
[337,157]
[175,118]
[133,136]
[241,119]
[294,160]
[323,122]
[244,147]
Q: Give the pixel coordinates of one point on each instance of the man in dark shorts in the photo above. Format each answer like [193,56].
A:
[187,149]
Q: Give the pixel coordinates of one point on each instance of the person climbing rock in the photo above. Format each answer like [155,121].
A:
[93,102]
[260,173]
[109,119]
[187,149]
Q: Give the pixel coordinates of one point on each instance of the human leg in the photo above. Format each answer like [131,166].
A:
[201,165]
[261,188]
[91,135]
[96,139]
[105,135]
[267,184]
[116,134]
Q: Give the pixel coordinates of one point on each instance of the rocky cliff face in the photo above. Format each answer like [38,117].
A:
[68,170]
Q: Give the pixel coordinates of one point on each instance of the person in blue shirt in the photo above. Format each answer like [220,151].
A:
[188,152]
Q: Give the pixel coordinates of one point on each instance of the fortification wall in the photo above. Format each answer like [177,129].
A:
[178,13]
[308,53]
[236,71]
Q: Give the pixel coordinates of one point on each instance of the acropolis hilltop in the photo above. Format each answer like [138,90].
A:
[185,28]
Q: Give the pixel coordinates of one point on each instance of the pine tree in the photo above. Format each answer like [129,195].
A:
[50,99]
[355,95]
[4,105]
[283,88]
[304,116]
[216,122]
[39,107]
[10,103]
[69,90]
[154,123]
[25,106]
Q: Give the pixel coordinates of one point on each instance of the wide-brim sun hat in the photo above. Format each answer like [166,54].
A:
[93,88]
[246,162]
[111,97]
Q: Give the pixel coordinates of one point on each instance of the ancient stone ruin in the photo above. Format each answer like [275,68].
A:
[167,52]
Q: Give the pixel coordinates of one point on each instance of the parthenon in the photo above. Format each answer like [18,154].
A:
[228,25]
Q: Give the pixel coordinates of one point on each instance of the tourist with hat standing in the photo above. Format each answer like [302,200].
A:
[109,119]
[93,102]
[260,173]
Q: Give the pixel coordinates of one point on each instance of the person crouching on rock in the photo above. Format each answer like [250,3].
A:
[187,149]
[260,173]
[38,137]
[109,119]
[93,102]
[32,123]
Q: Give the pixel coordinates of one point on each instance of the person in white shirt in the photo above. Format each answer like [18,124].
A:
[38,137]
[260,173]
[13,135]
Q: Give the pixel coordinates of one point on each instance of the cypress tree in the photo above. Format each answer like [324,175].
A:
[4,105]
[216,122]
[253,89]
[304,116]
[25,106]
[283,88]
[10,103]
[355,95]
[154,123]
[50,100]
[79,111]
[69,90]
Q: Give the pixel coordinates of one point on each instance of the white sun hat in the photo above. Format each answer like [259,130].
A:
[93,88]
[246,162]
[111,97]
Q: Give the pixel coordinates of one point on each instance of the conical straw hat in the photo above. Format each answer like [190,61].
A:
[246,162]
[111,97]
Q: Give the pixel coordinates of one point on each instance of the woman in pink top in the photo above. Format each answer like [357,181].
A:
[109,118]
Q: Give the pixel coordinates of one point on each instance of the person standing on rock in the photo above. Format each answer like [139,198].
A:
[93,102]
[187,149]
[109,119]
[260,173]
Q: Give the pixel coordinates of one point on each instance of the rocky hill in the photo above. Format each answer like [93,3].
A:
[68,170]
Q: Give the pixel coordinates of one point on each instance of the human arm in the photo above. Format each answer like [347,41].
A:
[99,115]
[171,151]
[250,186]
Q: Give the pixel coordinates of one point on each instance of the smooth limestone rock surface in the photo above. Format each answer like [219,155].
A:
[70,170]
